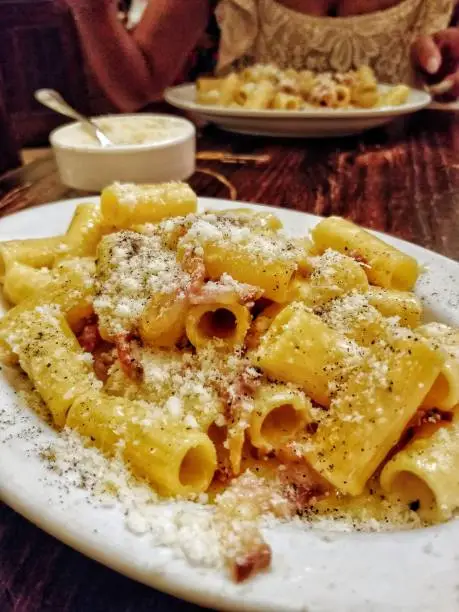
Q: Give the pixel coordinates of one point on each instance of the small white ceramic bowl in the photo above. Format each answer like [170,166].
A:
[148,149]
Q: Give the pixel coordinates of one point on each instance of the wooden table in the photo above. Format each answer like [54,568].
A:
[404,180]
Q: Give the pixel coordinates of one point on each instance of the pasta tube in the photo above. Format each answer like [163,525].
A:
[261,325]
[392,303]
[366,78]
[196,405]
[246,266]
[333,275]
[279,413]
[261,96]
[305,248]
[364,91]
[352,316]
[365,98]
[284,101]
[176,459]
[84,232]
[124,204]
[207,90]
[324,97]
[51,356]
[261,72]
[138,281]
[306,82]
[242,94]
[444,393]
[228,88]
[343,96]
[206,84]
[71,293]
[207,322]
[22,281]
[369,414]
[396,95]
[34,252]
[163,320]
[299,348]
[73,290]
[425,473]
[386,266]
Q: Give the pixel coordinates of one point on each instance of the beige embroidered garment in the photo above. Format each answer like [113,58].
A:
[268,32]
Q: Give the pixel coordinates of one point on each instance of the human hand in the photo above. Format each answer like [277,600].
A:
[437,57]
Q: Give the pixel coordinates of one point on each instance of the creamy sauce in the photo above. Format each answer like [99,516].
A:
[125,130]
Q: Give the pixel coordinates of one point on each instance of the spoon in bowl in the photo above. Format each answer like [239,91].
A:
[53,100]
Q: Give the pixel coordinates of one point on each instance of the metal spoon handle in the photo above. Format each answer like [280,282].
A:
[53,100]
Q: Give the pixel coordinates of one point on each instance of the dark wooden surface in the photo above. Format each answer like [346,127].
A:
[403,180]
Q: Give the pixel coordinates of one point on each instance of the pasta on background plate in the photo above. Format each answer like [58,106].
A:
[227,362]
[265,86]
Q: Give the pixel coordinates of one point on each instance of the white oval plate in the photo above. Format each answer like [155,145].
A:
[314,123]
[313,570]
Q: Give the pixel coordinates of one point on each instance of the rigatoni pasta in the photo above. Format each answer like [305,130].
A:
[330,276]
[444,393]
[124,205]
[385,266]
[393,303]
[300,348]
[36,252]
[210,350]
[370,411]
[269,87]
[227,322]
[21,281]
[85,231]
[177,460]
[279,414]
[162,322]
[49,353]
[424,473]
[245,263]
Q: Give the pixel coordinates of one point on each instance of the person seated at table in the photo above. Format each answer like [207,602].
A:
[398,38]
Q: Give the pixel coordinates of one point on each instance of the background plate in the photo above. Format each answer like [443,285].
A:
[317,123]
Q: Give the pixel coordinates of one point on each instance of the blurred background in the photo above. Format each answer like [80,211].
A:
[39,47]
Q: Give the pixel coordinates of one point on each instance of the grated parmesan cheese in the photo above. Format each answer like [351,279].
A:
[131,268]
[272,246]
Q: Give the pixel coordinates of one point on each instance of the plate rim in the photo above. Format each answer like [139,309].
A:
[16,497]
